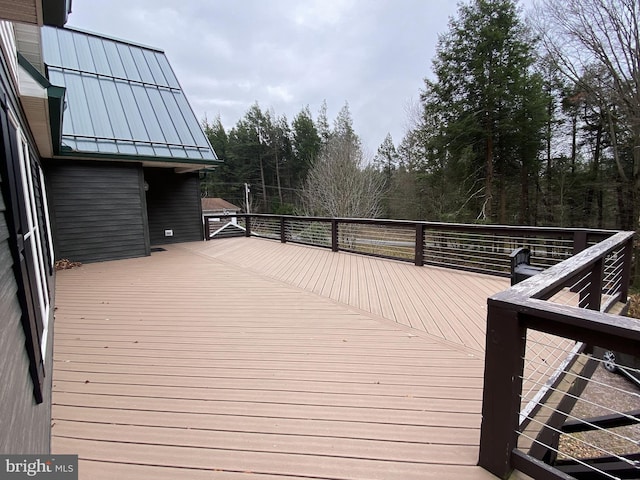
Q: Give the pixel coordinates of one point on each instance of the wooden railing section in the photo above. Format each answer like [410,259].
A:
[586,272]
[475,248]
[528,307]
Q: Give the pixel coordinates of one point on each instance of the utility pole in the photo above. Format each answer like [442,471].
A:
[246,197]
[264,186]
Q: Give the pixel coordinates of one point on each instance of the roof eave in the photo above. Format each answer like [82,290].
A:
[43,108]
[182,165]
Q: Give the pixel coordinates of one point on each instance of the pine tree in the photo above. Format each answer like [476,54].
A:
[306,146]
[483,91]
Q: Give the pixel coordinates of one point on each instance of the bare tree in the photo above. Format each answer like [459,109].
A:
[602,36]
[339,185]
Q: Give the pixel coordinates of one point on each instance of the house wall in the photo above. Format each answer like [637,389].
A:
[98,210]
[173,203]
[25,425]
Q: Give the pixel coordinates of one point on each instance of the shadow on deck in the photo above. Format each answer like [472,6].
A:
[245,358]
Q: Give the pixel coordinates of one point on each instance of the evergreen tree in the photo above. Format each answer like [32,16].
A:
[306,146]
[387,159]
[322,123]
[216,182]
[483,92]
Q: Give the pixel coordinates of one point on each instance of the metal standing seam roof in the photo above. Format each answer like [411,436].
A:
[121,99]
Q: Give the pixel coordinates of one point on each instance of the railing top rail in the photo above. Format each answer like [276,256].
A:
[524,307]
[555,277]
[590,326]
[441,225]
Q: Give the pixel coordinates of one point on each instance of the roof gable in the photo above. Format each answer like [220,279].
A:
[217,205]
[122,99]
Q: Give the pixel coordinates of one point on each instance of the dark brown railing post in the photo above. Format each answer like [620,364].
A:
[207,228]
[591,295]
[579,244]
[247,224]
[579,241]
[334,235]
[626,270]
[283,231]
[419,247]
[503,367]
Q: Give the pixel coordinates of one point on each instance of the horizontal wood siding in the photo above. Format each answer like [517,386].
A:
[173,203]
[98,211]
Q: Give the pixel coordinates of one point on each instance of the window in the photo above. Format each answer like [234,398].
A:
[29,239]
[29,171]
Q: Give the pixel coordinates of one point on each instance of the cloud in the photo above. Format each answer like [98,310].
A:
[318,14]
[280,92]
[286,54]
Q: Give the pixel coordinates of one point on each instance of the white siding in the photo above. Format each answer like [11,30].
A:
[8,44]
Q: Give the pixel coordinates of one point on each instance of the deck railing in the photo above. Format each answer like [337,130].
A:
[476,248]
[520,430]
[541,333]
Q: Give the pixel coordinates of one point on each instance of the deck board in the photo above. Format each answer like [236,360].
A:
[208,361]
[448,304]
[281,463]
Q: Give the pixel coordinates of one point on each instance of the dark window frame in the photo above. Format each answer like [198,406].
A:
[24,270]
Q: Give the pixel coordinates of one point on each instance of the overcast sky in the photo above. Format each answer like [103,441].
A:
[285,54]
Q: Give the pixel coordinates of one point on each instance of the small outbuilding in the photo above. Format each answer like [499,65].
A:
[218,206]
[213,210]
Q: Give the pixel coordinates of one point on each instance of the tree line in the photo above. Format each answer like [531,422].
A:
[525,120]
[308,167]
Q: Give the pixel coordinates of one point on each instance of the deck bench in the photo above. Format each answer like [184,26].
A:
[521,267]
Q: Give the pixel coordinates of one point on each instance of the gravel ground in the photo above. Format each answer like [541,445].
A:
[604,393]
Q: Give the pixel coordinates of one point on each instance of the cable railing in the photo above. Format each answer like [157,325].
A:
[545,338]
[395,241]
[474,248]
[540,354]
[266,227]
[314,233]
[579,435]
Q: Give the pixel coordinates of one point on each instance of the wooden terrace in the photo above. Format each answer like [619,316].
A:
[253,358]
[247,358]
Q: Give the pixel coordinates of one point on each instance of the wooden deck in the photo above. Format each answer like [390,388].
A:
[446,304]
[248,359]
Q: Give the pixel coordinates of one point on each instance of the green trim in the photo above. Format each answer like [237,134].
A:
[55,98]
[55,12]
[33,71]
[66,152]
[56,111]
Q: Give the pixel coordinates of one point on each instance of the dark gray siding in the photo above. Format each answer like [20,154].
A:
[98,211]
[173,203]
[24,424]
